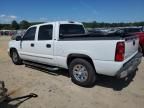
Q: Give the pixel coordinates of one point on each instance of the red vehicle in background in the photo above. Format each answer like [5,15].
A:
[139,31]
[141,41]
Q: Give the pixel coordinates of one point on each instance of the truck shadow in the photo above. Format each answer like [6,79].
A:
[104,81]
[114,83]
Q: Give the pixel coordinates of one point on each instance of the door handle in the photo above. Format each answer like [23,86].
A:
[48,45]
[32,44]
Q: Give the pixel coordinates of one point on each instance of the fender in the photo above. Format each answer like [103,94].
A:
[75,55]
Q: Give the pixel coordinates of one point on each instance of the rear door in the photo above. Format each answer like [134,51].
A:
[44,45]
[27,44]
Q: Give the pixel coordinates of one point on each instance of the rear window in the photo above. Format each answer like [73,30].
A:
[68,29]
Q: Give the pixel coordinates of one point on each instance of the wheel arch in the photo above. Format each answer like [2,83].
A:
[82,56]
[12,49]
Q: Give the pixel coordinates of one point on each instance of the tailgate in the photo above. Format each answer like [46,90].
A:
[131,45]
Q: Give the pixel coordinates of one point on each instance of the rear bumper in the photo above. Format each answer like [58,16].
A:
[130,66]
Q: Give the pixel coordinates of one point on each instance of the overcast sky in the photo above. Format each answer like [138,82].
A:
[77,10]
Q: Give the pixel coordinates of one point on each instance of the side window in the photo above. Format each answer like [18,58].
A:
[30,34]
[45,32]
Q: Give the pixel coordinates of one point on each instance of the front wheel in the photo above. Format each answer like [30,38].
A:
[15,58]
[82,72]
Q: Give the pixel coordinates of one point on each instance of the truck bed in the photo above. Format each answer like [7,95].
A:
[94,36]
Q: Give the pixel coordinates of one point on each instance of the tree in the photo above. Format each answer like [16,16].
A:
[94,24]
[15,25]
[24,24]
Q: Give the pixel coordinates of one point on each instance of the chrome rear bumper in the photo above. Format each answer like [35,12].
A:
[130,66]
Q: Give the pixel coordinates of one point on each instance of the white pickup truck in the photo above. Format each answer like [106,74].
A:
[68,45]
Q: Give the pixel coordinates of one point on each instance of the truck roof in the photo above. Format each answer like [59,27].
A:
[58,22]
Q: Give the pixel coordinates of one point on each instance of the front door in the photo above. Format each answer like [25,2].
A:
[27,45]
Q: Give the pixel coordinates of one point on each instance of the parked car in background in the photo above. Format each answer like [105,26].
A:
[18,33]
[7,32]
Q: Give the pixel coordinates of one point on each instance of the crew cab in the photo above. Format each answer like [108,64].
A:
[66,44]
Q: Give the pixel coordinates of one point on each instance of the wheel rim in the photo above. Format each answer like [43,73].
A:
[80,73]
[15,57]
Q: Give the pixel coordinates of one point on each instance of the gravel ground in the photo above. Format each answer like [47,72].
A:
[55,89]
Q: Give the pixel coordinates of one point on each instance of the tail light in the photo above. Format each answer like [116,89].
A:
[120,51]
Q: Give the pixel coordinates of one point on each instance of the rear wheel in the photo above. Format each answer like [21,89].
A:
[141,49]
[82,72]
[15,58]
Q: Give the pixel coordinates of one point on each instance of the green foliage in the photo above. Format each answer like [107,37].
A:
[24,24]
[5,26]
[34,23]
[14,25]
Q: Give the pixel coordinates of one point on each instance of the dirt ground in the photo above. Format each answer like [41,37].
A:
[55,89]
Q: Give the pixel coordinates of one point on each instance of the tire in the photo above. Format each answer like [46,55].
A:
[141,49]
[82,72]
[15,58]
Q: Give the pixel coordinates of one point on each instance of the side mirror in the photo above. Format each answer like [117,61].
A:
[18,38]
